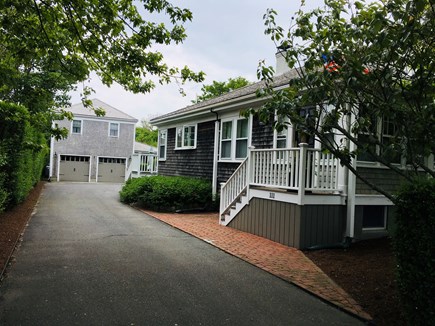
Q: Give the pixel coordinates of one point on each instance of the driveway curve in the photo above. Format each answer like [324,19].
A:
[87,259]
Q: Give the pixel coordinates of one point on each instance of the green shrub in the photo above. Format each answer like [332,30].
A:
[23,149]
[168,193]
[415,250]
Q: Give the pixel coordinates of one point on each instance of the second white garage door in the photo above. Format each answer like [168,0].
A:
[111,169]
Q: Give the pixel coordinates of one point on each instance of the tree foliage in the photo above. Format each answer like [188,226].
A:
[217,88]
[109,37]
[147,134]
[368,69]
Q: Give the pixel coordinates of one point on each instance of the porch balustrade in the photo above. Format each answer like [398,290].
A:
[299,169]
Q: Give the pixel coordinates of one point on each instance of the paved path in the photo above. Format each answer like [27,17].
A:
[287,263]
[86,259]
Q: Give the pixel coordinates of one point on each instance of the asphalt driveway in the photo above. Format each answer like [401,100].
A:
[86,259]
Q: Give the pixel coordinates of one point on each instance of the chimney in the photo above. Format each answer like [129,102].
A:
[281,63]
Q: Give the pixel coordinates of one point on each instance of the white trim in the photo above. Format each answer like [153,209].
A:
[72,126]
[165,145]
[118,130]
[382,228]
[292,197]
[102,119]
[372,200]
[183,147]
[215,158]
[233,139]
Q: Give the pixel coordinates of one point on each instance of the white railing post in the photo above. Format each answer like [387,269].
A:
[302,171]
[250,169]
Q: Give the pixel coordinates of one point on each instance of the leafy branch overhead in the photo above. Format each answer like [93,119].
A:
[368,69]
[109,37]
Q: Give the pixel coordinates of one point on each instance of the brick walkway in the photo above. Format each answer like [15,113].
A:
[287,263]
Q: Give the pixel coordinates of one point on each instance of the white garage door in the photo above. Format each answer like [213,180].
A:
[111,169]
[74,168]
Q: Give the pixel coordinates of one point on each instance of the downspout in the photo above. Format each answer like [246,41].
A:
[215,155]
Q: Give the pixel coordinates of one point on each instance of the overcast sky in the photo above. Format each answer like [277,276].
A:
[225,40]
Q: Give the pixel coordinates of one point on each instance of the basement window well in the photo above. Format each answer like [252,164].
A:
[374,218]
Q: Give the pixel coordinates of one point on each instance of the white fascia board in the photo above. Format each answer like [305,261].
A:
[237,103]
[104,119]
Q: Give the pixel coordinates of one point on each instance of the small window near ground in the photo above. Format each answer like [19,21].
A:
[374,217]
[76,127]
[113,129]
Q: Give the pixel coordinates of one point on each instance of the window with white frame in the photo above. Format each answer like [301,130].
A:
[162,144]
[185,137]
[281,138]
[389,143]
[76,127]
[242,139]
[113,129]
[234,139]
[384,131]
[374,218]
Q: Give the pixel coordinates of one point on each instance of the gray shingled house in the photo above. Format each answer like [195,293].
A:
[270,184]
[96,149]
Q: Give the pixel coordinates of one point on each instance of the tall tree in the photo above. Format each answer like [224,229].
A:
[48,46]
[217,88]
[369,72]
[147,134]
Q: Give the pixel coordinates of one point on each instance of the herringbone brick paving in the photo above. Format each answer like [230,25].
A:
[287,263]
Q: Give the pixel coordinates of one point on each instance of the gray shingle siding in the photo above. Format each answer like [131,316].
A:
[262,134]
[191,162]
[385,178]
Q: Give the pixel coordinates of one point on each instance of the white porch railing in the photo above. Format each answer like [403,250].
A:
[148,163]
[300,169]
[234,187]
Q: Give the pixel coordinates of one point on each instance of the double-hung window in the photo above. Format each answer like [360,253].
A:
[113,129]
[234,139]
[76,127]
[185,137]
[162,144]
[242,139]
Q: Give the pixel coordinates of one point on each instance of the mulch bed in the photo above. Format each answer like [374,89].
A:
[365,270]
[13,222]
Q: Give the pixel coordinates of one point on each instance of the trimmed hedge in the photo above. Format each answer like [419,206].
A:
[23,153]
[168,193]
[415,250]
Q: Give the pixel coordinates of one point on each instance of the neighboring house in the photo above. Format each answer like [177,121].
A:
[96,149]
[272,186]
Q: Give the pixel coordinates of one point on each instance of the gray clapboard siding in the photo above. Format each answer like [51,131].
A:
[292,225]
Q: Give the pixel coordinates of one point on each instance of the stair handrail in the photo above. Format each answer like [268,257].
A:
[234,187]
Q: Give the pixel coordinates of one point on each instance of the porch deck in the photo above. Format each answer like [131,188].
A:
[300,173]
